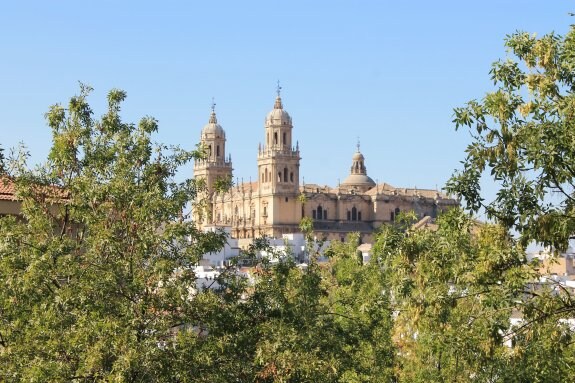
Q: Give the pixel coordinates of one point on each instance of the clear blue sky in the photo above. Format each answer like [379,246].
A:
[390,72]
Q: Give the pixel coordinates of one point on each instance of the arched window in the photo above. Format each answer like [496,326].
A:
[263,179]
[268,140]
[354,214]
[279,176]
[319,212]
[285,175]
[209,151]
[359,215]
[395,213]
[291,177]
[266,174]
[275,138]
[325,214]
[284,137]
[349,215]
[218,151]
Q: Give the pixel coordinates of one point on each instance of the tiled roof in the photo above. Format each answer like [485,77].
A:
[7,189]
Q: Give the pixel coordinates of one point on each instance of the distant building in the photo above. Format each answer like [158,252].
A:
[275,203]
[221,257]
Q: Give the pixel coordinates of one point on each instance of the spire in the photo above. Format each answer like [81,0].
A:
[358,144]
[278,103]
[213,119]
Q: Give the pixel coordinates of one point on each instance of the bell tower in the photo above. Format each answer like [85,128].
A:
[278,172]
[278,158]
[215,165]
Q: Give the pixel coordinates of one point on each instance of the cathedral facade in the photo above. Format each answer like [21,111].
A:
[275,204]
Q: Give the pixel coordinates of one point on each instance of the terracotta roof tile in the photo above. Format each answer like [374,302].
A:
[7,189]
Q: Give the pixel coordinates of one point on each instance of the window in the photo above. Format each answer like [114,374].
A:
[263,179]
[354,214]
[209,150]
[325,214]
[285,175]
[284,137]
[313,215]
[291,177]
[218,151]
[265,214]
[268,139]
[286,199]
[391,216]
[319,212]
[359,215]
[275,138]
[279,176]
[348,215]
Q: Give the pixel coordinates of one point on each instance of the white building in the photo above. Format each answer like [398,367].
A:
[230,249]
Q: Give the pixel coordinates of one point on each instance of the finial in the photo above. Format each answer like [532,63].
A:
[358,144]
[213,119]
[278,103]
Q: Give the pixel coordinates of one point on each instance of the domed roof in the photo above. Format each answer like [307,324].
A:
[212,127]
[358,177]
[360,180]
[357,156]
[278,116]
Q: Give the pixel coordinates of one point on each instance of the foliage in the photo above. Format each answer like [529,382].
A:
[294,325]
[454,292]
[523,134]
[89,290]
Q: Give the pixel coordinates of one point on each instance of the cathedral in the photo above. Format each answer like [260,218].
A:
[275,204]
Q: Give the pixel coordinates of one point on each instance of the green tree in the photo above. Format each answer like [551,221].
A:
[523,134]
[94,277]
[324,323]
[454,292]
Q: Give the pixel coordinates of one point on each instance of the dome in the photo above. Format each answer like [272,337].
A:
[359,180]
[213,128]
[278,116]
[357,156]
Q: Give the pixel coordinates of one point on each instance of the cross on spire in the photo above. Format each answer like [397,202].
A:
[278,89]
[213,105]
[357,144]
